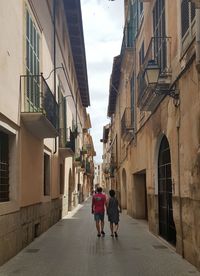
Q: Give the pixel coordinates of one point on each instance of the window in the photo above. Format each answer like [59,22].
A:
[62,179]
[141,54]
[32,63]
[46,174]
[131,24]
[159,18]
[4,167]
[136,12]
[140,10]
[159,33]
[62,117]
[187,17]
[132,100]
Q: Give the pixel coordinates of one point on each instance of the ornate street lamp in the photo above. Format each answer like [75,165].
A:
[152,72]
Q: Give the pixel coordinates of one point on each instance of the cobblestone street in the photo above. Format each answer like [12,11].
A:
[71,248]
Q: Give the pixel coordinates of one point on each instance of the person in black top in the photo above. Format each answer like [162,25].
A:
[113,210]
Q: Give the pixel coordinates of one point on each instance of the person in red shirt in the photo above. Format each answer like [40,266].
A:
[98,209]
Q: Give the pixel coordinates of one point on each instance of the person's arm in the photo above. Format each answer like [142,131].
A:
[106,204]
[119,207]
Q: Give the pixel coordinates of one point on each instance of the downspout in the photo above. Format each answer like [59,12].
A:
[54,59]
[179,186]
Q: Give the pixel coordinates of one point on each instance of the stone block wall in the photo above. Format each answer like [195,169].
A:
[19,229]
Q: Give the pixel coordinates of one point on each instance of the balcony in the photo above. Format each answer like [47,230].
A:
[78,160]
[159,51]
[67,140]
[39,109]
[88,168]
[127,123]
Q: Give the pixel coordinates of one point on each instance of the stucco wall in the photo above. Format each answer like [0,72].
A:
[31,168]
[11,58]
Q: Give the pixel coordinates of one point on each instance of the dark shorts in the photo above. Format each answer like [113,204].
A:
[114,222]
[99,216]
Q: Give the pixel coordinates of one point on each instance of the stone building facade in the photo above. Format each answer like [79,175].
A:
[43,118]
[154,110]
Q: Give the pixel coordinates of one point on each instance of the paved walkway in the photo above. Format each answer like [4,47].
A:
[71,248]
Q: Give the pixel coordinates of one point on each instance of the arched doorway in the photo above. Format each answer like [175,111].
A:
[167,228]
[124,190]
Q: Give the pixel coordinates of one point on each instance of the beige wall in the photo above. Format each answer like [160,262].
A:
[31,168]
[11,58]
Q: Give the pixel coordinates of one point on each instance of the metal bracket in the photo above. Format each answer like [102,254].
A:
[171,92]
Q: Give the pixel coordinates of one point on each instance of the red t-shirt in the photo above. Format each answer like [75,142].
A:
[98,203]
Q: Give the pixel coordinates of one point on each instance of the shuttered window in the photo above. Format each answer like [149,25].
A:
[159,33]
[187,16]
[32,63]
[132,100]
[4,167]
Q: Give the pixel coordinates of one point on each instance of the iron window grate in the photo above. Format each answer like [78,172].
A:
[4,167]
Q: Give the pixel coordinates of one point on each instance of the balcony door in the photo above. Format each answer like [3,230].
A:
[32,64]
[159,33]
[167,228]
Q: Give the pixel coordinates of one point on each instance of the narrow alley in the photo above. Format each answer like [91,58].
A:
[71,248]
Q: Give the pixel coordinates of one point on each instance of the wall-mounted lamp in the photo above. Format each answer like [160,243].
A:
[152,75]
[152,72]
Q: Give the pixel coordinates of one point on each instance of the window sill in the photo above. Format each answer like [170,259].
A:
[8,207]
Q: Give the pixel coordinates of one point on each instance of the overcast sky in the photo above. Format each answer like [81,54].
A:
[103,30]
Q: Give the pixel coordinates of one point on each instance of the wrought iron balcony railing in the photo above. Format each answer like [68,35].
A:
[67,139]
[37,98]
[159,51]
[127,121]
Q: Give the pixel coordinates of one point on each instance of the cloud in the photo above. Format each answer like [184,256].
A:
[103,31]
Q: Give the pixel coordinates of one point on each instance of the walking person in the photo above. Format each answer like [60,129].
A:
[113,210]
[98,209]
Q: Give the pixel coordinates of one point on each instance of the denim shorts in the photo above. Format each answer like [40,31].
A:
[99,216]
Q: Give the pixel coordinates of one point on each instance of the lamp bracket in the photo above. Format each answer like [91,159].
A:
[171,92]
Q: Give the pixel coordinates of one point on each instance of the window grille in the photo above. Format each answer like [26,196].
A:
[4,167]
[46,174]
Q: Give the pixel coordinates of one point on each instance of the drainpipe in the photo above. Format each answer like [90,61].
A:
[179,186]
[198,38]
[54,58]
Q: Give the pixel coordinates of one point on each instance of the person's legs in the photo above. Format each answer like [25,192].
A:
[102,224]
[97,220]
[98,227]
[116,229]
[102,227]
[111,229]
